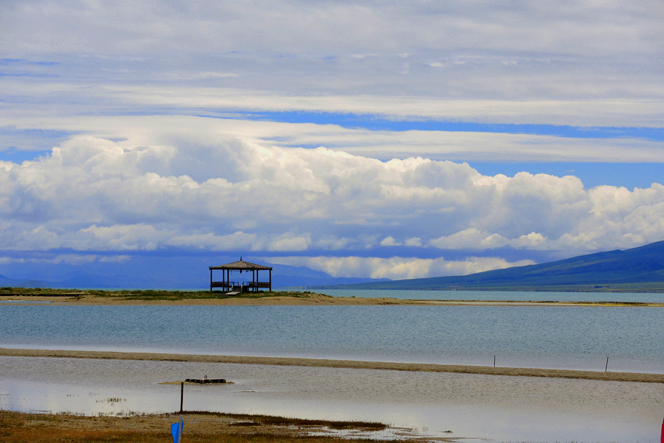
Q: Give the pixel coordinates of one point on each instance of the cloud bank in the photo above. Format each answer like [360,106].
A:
[396,268]
[96,194]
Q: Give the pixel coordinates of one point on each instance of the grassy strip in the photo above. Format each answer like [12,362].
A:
[148,294]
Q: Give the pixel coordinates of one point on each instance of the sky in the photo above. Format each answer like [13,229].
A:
[391,139]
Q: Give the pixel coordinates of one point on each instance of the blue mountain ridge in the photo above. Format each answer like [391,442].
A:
[639,268]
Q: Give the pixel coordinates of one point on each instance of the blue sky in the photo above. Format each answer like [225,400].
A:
[362,139]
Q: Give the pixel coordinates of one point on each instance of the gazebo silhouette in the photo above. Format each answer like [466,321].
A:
[228,286]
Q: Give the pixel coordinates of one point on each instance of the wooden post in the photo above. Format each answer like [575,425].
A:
[494,361]
[181,396]
[270,280]
[210,280]
[607,363]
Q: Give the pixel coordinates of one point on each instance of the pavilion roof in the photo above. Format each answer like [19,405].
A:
[242,265]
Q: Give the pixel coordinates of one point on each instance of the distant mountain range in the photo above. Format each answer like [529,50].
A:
[633,270]
[155,273]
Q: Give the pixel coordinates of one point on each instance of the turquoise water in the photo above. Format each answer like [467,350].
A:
[519,336]
[498,295]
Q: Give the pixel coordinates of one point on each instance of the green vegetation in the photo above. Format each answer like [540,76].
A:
[148,294]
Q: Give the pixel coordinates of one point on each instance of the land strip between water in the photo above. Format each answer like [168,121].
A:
[181,298]
[349,364]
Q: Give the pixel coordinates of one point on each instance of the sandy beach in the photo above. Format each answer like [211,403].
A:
[352,364]
[282,299]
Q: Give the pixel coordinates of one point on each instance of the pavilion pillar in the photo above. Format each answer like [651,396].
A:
[210,280]
[270,280]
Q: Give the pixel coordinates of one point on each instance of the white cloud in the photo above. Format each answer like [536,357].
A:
[35,101]
[96,194]
[470,238]
[389,241]
[584,63]
[396,267]
[414,241]
[209,241]
[289,242]
[124,27]
[158,136]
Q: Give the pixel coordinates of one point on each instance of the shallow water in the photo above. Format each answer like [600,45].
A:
[519,336]
[472,406]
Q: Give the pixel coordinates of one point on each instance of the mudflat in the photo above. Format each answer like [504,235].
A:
[352,364]
[199,427]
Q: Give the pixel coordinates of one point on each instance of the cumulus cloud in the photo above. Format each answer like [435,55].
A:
[389,241]
[96,194]
[397,267]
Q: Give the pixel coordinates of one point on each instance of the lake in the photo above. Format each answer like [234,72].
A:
[520,336]
[474,406]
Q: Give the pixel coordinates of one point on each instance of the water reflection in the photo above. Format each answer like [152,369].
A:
[471,406]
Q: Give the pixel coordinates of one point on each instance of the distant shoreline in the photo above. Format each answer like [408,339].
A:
[349,364]
[180,298]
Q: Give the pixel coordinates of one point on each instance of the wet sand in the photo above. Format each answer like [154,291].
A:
[285,300]
[352,364]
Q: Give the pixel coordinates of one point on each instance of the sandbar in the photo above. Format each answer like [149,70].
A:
[300,299]
[351,364]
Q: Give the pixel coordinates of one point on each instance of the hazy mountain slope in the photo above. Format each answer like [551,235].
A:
[636,267]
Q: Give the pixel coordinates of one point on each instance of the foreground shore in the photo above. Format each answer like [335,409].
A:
[198,427]
[352,364]
[277,298]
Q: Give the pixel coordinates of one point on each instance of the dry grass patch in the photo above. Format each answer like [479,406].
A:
[199,428]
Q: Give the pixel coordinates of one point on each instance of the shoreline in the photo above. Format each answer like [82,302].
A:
[200,426]
[309,299]
[347,364]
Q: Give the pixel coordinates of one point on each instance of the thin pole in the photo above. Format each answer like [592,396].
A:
[607,363]
[494,361]
[181,396]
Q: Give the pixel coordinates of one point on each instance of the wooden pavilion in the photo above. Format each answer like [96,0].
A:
[254,285]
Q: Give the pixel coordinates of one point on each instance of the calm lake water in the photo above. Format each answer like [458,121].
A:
[520,336]
[473,406]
